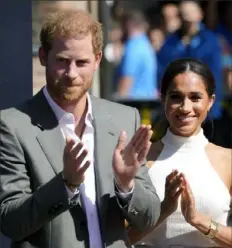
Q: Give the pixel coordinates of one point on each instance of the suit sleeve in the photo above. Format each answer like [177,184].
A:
[143,209]
[137,119]
[23,212]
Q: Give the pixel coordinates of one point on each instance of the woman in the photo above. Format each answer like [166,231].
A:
[192,176]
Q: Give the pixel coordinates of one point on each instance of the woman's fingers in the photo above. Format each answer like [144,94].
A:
[174,184]
[178,193]
[171,176]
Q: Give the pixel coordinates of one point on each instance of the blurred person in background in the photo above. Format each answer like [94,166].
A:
[157,32]
[170,13]
[224,30]
[136,75]
[218,19]
[114,49]
[194,40]
[157,37]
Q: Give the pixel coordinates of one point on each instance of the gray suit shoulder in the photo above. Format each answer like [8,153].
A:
[114,105]
[12,114]
[121,116]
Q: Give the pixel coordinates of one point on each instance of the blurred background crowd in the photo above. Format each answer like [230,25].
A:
[142,38]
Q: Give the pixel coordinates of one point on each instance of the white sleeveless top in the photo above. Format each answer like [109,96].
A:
[212,198]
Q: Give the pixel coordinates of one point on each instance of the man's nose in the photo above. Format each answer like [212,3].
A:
[72,71]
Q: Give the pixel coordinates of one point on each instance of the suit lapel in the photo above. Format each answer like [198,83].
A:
[106,137]
[52,144]
[50,137]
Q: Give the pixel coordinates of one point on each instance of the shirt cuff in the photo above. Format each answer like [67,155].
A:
[70,193]
[123,195]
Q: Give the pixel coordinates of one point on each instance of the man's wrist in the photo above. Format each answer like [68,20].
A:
[72,187]
[125,187]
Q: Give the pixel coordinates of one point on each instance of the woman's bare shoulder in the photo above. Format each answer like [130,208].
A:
[155,150]
[221,160]
[222,153]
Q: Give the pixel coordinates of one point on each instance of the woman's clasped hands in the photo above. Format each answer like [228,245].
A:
[176,187]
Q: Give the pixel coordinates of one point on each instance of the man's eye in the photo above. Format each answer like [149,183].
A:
[62,60]
[81,63]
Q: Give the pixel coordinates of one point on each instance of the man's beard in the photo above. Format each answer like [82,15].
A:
[71,94]
[65,94]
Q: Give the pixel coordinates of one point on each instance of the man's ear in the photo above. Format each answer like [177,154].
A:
[43,57]
[98,60]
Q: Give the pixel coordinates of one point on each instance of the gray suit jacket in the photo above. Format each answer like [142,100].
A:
[34,206]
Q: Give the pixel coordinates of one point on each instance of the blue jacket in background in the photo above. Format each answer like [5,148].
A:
[139,62]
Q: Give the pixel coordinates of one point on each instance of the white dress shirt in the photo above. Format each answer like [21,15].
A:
[87,189]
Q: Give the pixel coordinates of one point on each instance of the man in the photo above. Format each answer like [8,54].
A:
[67,194]
[170,13]
[136,74]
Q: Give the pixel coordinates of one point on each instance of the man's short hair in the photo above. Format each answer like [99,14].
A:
[71,23]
